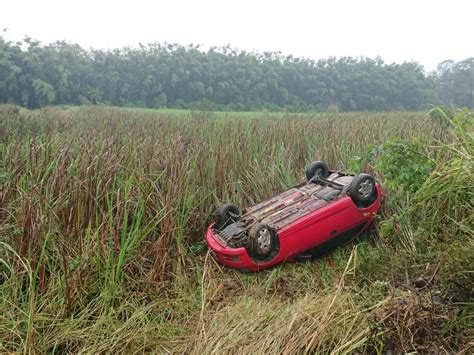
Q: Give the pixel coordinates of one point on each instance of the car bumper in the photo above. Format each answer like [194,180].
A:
[233,257]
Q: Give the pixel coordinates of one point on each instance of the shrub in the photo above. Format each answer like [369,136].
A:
[404,164]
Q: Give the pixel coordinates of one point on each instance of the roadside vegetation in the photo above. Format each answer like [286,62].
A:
[103,213]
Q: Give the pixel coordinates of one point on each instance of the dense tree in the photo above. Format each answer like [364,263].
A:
[171,75]
[455,82]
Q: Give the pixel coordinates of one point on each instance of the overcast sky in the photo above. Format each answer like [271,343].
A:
[397,30]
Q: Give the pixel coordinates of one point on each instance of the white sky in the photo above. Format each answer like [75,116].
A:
[397,30]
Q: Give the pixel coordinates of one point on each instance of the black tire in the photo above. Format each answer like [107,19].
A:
[317,167]
[362,189]
[226,214]
[263,242]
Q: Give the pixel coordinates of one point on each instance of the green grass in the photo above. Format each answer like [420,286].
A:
[103,213]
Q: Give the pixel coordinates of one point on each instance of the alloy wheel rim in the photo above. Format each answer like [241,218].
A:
[264,238]
[365,188]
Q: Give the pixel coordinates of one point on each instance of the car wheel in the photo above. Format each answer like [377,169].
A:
[263,242]
[226,214]
[317,168]
[362,189]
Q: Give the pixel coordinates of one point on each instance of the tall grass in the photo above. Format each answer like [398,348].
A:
[103,212]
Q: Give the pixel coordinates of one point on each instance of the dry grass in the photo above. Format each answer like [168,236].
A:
[103,212]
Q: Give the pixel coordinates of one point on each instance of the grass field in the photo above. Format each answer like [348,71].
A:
[103,213]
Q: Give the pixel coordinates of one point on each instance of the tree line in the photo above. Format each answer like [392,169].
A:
[33,75]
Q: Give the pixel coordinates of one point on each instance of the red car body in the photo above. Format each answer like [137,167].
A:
[308,219]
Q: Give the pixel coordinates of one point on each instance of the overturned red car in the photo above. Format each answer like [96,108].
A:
[309,219]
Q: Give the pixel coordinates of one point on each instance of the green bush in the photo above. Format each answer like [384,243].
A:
[403,164]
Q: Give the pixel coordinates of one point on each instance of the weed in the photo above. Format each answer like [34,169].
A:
[103,212]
